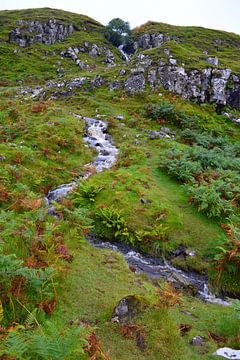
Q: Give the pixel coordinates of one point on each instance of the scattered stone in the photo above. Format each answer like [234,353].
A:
[212,60]
[156,134]
[126,309]
[173,61]
[198,341]
[146,201]
[228,353]
[166,52]
[122,72]
[168,131]
[119,117]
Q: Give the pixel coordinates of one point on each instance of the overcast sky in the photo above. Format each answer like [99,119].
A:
[216,14]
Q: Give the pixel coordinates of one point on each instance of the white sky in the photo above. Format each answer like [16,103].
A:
[216,14]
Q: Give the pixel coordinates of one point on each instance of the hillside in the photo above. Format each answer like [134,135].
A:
[119,190]
[193,45]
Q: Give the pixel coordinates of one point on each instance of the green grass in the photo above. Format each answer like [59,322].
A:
[41,147]
[98,279]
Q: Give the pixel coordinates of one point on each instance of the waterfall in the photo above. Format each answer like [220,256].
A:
[125,55]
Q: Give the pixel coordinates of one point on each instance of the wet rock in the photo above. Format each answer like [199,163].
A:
[198,341]
[183,251]
[135,83]
[181,283]
[30,32]
[180,250]
[212,60]
[228,353]
[126,309]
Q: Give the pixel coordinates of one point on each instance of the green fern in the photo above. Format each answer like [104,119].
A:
[16,345]
[57,344]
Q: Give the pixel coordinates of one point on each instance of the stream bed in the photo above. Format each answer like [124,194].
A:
[96,136]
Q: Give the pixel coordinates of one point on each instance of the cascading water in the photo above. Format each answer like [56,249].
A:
[125,55]
[158,268]
[97,138]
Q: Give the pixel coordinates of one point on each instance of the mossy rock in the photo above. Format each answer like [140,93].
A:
[127,309]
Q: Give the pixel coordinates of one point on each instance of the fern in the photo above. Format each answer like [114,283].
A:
[57,345]
[86,191]
[16,345]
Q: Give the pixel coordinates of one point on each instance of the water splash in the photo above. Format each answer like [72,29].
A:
[159,268]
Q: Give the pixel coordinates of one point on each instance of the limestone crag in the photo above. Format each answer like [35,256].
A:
[92,50]
[30,32]
[148,41]
[207,85]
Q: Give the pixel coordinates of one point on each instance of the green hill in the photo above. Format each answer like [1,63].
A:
[171,196]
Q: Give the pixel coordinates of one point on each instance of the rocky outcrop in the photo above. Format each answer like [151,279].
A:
[207,85]
[93,50]
[30,32]
[203,85]
[148,41]
[135,83]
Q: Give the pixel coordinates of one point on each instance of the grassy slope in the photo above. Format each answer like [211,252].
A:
[39,63]
[97,280]
[193,41]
